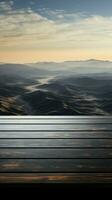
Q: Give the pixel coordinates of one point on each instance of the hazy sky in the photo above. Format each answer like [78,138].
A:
[55,30]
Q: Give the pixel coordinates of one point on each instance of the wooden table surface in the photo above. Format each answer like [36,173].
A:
[56,149]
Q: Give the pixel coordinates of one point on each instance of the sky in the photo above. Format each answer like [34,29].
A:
[55,30]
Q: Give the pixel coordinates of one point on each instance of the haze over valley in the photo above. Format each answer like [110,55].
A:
[50,88]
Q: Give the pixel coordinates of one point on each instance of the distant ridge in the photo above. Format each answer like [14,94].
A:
[61,62]
[72,61]
[95,60]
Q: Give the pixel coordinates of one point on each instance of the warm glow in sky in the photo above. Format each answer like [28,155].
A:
[41,30]
[58,56]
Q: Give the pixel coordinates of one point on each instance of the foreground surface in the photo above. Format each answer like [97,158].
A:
[56,149]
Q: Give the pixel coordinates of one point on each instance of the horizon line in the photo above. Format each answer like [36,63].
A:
[46,61]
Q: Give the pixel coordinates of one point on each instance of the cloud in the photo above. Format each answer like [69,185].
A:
[6,6]
[45,29]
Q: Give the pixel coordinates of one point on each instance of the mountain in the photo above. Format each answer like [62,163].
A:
[52,68]
[49,88]
[22,70]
